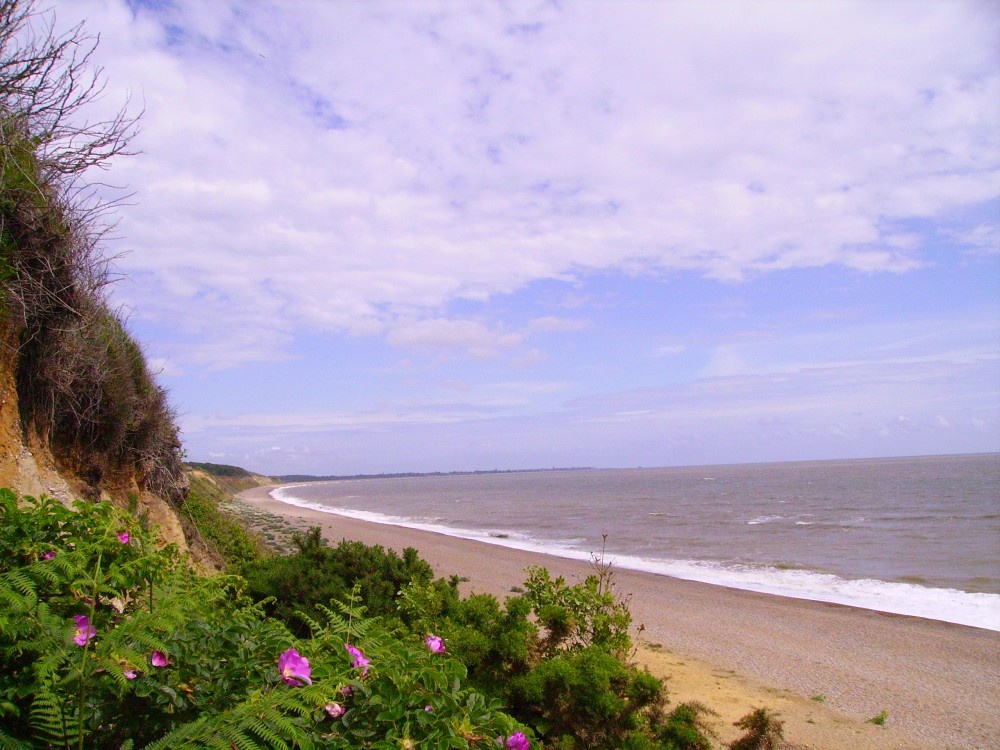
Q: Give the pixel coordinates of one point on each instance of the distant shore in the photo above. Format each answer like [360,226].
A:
[825,668]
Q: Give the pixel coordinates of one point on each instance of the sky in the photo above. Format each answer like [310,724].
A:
[369,236]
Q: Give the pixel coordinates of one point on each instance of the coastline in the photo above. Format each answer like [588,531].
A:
[737,650]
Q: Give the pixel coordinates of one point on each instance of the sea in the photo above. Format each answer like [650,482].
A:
[914,536]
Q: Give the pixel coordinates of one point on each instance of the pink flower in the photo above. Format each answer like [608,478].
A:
[49,555]
[84,630]
[130,674]
[335,710]
[360,660]
[435,644]
[159,659]
[123,537]
[517,741]
[428,709]
[294,668]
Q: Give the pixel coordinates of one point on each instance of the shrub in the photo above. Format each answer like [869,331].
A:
[586,698]
[684,728]
[763,731]
[582,614]
[568,676]
[318,574]
[106,643]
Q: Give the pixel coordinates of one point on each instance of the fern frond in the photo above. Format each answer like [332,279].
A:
[259,727]
[235,737]
[20,581]
[11,743]
[186,735]
[48,720]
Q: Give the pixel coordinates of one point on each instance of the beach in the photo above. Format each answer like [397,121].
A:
[826,669]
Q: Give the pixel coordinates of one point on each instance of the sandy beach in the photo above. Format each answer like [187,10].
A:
[826,669]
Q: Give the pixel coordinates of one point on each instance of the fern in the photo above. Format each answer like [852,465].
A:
[262,729]
[186,735]
[259,722]
[48,720]
[22,582]
[10,743]
[234,737]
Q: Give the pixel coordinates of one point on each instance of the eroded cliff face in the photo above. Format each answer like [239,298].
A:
[28,467]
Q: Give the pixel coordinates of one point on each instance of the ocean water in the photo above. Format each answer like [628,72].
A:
[917,536]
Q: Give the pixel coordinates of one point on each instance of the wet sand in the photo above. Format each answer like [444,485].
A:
[825,668]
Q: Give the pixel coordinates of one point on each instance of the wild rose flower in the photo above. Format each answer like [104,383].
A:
[294,668]
[428,709]
[130,674]
[159,659]
[84,630]
[49,555]
[517,741]
[360,660]
[435,644]
[123,537]
[335,710]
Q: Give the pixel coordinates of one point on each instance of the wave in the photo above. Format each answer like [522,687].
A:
[979,610]
[764,519]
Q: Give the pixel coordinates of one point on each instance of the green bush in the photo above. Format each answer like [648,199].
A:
[558,658]
[317,574]
[163,658]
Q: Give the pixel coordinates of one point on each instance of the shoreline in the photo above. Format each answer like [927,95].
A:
[887,597]
[737,650]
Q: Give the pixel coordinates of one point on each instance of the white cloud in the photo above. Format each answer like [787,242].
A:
[553,324]
[357,167]
[443,334]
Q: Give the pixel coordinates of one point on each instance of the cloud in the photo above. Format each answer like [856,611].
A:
[669,350]
[553,324]
[443,334]
[360,168]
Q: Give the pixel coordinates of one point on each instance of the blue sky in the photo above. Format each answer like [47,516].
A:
[422,236]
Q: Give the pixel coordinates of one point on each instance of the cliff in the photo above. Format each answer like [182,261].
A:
[81,416]
[28,466]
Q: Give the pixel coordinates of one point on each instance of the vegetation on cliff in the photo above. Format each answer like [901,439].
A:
[83,384]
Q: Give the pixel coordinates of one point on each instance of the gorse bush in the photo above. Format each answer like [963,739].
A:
[762,731]
[107,643]
[295,585]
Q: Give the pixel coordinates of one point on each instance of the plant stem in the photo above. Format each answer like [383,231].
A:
[83,658]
